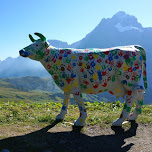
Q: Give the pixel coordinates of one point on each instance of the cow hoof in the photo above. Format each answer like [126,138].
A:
[60,117]
[80,122]
[118,122]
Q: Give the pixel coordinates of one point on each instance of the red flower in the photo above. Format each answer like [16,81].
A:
[80,57]
[85,82]
[136,66]
[69,68]
[48,66]
[104,73]
[104,85]
[108,61]
[91,56]
[129,93]
[60,57]
[53,60]
[68,80]
[68,51]
[120,53]
[47,52]
[82,70]
[55,76]
[77,93]
[119,64]
[133,53]
[106,52]
[130,69]
[133,77]
[95,86]
[99,60]
[61,51]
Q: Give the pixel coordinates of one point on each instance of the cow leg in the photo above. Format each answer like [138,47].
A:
[83,114]
[64,107]
[126,110]
[137,111]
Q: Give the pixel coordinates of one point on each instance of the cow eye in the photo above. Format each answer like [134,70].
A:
[37,45]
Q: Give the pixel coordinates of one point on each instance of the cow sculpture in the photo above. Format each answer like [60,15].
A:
[116,70]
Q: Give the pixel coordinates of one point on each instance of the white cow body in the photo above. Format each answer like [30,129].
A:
[76,71]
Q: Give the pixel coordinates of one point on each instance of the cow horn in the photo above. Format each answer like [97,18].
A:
[31,38]
[41,36]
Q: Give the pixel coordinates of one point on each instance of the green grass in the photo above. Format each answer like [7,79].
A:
[30,113]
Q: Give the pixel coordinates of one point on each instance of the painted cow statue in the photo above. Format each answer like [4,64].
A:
[116,70]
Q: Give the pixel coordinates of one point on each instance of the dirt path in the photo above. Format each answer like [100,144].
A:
[56,138]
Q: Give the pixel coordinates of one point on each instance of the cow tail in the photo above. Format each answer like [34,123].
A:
[144,73]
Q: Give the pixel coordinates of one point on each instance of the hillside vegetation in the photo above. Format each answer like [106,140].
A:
[44,113]
[34,89]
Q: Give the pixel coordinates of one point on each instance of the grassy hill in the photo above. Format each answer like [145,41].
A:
[35,89]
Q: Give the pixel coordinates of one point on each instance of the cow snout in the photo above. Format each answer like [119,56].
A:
[23,53]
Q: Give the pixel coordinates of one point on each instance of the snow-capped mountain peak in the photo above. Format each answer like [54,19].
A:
[126,28]
[124,22]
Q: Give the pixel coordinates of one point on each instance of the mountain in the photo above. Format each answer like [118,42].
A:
[18,67]
[59,44]
[120,30]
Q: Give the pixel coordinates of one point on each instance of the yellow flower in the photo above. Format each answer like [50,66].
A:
[84,64]
[89,90]
[59,62]
[95,56]
[98,67]
[95,76]
[125,68]
[75,83]
[68,88]
[73,57]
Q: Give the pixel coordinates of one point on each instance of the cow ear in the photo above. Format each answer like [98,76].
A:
[46,45]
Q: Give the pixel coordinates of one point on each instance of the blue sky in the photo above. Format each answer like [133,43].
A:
[66,20]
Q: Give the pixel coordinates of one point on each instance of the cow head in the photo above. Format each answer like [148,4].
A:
[36,50]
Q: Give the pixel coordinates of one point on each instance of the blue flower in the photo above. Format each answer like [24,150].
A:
[134,69]
[93,64]
[110,57]
[116,57]
[74,64]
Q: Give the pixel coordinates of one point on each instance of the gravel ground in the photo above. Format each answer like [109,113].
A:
[57,138]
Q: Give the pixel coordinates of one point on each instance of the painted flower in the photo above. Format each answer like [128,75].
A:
[91,56]
[93,64]
[48,66]
[99,60]
[80,57]
[130,69]
[60,57]
[61,51]
[47,52]
[120,53]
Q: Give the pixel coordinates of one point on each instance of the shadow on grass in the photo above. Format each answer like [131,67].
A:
[72,141]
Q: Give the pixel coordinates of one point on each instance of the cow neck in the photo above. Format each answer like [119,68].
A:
[49,58]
